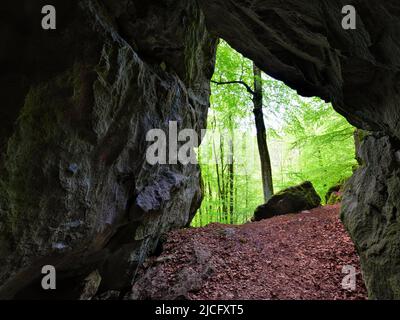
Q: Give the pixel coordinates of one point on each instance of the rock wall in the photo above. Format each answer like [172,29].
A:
[370,212]
[76,191]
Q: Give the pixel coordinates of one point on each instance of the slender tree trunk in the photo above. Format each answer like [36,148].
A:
[266,170]
[235,221]
[231,179]
[218,213]
[210,208]
[246,177]
[223,180]
[218,182]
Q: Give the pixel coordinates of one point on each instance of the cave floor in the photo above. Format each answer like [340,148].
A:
[296,256]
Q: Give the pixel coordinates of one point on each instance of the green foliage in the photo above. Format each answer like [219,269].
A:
[229,119]
[231,103]
[307,140]
[323,141]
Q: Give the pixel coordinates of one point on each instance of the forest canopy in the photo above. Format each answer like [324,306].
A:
[307,140]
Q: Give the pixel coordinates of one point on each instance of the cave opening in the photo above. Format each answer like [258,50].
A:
[306,140]
[78,102]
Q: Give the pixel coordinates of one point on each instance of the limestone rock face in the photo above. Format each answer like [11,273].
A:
[76,190]
[290,200]
[370,212]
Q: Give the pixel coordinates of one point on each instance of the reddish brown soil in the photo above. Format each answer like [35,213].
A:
[297,256]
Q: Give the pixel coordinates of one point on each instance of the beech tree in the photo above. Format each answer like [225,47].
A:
[257,99]
[265,160]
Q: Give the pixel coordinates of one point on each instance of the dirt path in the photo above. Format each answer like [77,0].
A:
[288,257]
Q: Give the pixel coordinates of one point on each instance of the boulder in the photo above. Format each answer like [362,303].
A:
[335,193]
[332,190]
[335,198]
[291,200]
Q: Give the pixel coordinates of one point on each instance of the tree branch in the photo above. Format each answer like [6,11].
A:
[248,88]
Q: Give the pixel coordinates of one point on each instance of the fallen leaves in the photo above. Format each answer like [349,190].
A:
[287,257]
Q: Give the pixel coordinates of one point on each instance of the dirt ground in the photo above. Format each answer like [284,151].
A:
[296,256]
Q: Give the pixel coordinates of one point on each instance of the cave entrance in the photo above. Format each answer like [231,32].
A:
[307,140]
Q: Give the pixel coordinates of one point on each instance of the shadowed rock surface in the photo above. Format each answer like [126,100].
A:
[75,189]
[290,200]
[370,212]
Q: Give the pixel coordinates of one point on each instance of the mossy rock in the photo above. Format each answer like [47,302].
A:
[291,200]
[334,189]
[335,198]
[334,194]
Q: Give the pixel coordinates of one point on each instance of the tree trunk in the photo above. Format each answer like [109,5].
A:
[210,195]
[231,179]
[220,195]
[223,179]
[266,171]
